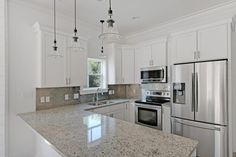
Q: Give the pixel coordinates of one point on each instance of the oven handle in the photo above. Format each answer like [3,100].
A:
[148,106]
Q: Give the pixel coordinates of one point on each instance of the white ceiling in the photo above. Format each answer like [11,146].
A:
[151,12]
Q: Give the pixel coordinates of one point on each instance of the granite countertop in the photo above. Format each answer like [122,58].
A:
[74,132]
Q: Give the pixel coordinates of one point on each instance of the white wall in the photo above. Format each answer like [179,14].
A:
[22,68]
[2,77]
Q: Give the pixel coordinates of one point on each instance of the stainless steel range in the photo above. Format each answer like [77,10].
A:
[148,111]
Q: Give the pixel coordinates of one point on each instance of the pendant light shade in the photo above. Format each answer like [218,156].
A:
[109,32]
[76,45]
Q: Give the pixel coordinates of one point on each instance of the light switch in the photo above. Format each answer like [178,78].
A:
[76,95]
[47,99]
[66,96]
[42,99]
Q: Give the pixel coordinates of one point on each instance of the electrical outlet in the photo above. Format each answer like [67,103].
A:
[42,99]
[110,92]
[47,99]
[76,95]
[66,96]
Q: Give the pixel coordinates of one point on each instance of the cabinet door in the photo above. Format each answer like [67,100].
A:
[114,64]
[213,42]
[184,47]
[142,60]
[159,54]
[77,66]
[127,66]
[166,120]
[54,69]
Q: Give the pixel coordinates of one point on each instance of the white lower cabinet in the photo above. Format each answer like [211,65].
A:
[118,111]
[166,120]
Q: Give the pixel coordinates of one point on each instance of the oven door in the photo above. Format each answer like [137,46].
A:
[154,74]
[148,115]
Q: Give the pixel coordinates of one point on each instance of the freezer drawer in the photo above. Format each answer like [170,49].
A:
[212,138]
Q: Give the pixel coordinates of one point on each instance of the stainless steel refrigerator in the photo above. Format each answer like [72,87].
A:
[199,105]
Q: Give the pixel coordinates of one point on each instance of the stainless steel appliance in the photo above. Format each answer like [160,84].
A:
[199,105]
[148,112]
[154,74]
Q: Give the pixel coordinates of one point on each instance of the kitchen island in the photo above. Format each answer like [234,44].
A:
[72,131]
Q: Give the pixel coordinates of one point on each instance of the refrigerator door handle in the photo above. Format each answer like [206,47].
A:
[193,91]
[201,127]
[196,93]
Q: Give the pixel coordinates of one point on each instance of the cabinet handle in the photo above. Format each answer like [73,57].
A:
[198,54]
[66,81]
[69,80]
[194,54]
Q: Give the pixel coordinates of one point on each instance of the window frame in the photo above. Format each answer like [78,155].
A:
[103,73]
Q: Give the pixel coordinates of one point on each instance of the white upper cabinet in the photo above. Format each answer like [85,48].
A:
[77,65]
[152,54]
[127,65]
[68,67]
[120,64]
[159,55]
[53,68]
[114,63]
[142,60]
[184,47]
[209,43]
[213,42]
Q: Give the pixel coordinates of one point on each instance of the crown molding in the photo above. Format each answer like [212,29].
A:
[217,13]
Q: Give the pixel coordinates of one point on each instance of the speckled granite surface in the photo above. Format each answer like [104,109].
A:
[74,132]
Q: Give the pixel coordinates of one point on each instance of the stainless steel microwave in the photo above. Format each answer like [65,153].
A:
[154,74]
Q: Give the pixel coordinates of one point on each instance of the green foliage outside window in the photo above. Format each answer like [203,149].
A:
[95,73]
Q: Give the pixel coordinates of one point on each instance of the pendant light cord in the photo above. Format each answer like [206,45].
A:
[55,20]
[75,14]
[55,33]
[110,10]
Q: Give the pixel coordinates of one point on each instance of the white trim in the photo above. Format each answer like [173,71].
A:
[103,68]
[205,12]
[223,22]
[86,91]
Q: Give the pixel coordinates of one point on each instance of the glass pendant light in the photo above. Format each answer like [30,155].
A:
[55,52]
[110,31]
[76,45]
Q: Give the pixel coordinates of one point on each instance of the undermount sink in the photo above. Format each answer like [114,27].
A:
[99,103]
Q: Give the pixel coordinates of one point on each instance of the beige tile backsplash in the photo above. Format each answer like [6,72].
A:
[57,97]
[129,91]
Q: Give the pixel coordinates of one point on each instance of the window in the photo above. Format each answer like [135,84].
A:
[96,73]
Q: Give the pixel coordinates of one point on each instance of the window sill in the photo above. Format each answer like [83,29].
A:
[92,90]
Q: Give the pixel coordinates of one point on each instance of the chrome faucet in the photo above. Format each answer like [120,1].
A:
[97,94]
